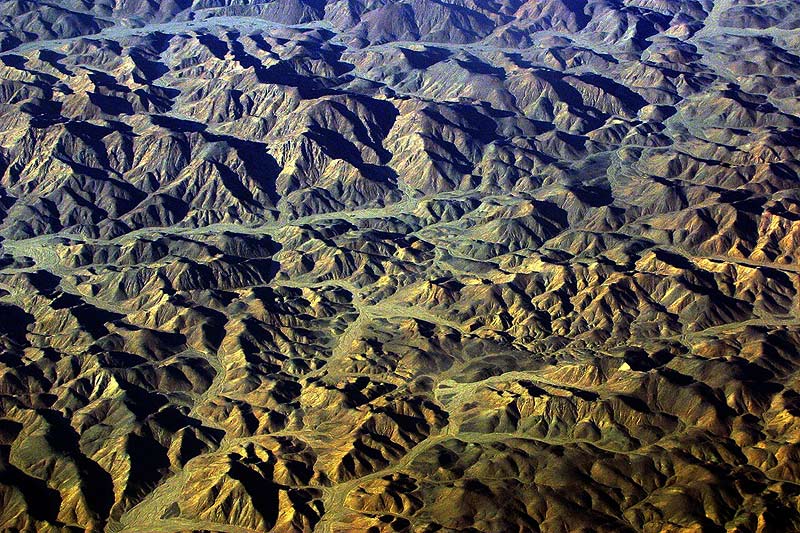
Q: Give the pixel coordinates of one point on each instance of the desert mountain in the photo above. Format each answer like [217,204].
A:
[420,265]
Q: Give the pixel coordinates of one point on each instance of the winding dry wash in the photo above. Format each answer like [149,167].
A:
[399,266]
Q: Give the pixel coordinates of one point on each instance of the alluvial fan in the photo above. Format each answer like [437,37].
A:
[400,265]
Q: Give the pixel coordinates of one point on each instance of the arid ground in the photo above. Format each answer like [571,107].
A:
[400,266]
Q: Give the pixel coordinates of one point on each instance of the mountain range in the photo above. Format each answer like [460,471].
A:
[400,265]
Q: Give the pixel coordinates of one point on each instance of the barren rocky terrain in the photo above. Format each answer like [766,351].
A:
[400,265]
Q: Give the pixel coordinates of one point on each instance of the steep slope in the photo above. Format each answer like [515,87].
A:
[399,266]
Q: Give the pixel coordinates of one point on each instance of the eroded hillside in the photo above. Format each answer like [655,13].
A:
[400,266]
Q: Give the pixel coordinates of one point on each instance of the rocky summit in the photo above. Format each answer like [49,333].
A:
[399,266]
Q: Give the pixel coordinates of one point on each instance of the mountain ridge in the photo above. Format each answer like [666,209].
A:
[399,266]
